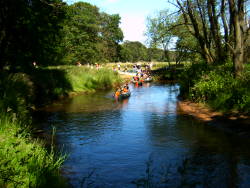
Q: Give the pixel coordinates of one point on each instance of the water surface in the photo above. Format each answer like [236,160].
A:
[144,141]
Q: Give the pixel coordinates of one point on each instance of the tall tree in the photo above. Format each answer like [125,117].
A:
[29,31]
[111,36]
[205,18]
[133,51]
[159,32]
[240,28]
[81,33]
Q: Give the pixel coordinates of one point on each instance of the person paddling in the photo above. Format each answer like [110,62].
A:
[117,93]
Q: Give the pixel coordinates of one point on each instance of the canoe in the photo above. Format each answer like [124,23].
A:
[124,95]
[134,82]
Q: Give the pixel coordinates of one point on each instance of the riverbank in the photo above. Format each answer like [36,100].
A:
[231,122]
[24,161]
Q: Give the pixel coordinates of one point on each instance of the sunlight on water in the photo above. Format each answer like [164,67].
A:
[144,141]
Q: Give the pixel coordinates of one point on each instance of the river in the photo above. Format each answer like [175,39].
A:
[144,141]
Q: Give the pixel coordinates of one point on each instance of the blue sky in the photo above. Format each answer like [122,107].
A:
[133,14]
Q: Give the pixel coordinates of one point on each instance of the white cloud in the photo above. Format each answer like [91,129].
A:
[133,26]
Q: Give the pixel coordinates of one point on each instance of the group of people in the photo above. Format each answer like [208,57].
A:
[136,67]
[96,65]
[121,90]
[141,76]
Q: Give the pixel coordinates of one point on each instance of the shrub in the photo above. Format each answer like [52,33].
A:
[216,86]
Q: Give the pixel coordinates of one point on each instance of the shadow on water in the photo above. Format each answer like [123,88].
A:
[144,142]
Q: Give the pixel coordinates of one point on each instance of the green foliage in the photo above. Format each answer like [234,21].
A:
[133,52]
[16,94]
[81,33]
[187,45]
[189,76]
[159,34]
[89,35]
[111,36]
[216,86]
[25,162]
[30,31]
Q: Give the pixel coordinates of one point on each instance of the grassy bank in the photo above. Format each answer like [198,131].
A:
[217,87]
[24,161]
[21,92]
[54,82]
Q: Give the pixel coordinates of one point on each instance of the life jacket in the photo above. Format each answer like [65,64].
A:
[117,93]
[125,90]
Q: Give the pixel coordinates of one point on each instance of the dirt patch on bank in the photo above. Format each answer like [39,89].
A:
[233,122]
[199,111]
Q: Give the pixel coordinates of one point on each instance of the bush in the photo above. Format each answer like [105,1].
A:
[216,86]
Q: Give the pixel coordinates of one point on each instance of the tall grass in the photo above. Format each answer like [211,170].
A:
[87,79]
[24,162]
[56,81]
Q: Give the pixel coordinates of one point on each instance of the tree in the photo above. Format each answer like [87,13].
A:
[111,36]
[155,54]
[133,51]
[204,20]
[91,36]
[159,33]
[240,32]
[81,33]
[29,31]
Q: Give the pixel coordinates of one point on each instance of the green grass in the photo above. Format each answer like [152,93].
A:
[24,162]
[90,80]
[56,81]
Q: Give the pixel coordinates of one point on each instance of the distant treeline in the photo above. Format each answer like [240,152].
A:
[136,51]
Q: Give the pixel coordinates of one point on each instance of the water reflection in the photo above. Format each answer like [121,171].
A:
[144,141]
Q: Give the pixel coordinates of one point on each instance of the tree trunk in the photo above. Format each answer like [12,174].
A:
[215,29]
[237,16]
[238,57]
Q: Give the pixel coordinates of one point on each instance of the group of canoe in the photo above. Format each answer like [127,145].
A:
[124,92]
